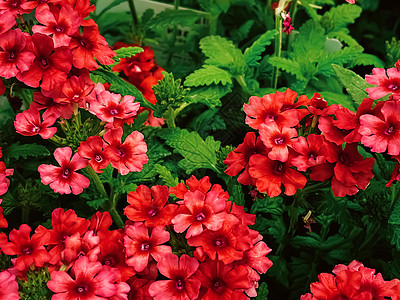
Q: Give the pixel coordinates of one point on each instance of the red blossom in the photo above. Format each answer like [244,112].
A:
[3,221]
[149,206]
[387,81]
[100,221]
[310,152]
[28,123]
[287,24]
[140,245]
[2,87]
[93,150]
[45,100]
[14,56]
[180,286]
[7,21]
[30,250]
[8,286]
[77,246]
[129,156]
[76,90]
[64,179]
[13,6]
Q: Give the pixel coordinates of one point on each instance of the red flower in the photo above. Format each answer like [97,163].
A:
[50,67]
[2,87]
[3,221]
[387,81]
[271,174]
[256,257]
[199,211]
[77,246]
[30,250]
[100,221]
[64,179]
[239,158]
[89,45]
[139,245]
[279,139]
[220,281]
[149,206]
[76,90]
[4,172]
[395,173]
[8,286]
[58,23]
[93,150]
[89,280]
[180,286]
[14,57]
[65,224]
[270,108]
[28,123]
[381,133]
[7,21]
[44,100]
[287,24]
[13,6]
[111,109]
[311,152]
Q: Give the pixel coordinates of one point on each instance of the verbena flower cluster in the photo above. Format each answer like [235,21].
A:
[201,244]
[307,139]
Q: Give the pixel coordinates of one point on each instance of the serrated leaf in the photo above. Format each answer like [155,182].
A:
[311,11]
[208,75]
[128,51]
[343,35]
[394,218]
[15,151]
[120,86]
[340,57]
[137,124]
[340,16]
[222,53]
[166,175]
[335,98]
[312,241]
[267,205]
[243,31]
[253,53]
[262,291]
[197,153]
[237,195]
[171,17]
[309,42]
[287,65]
[96,203]
[366,59]
[354,84]
[209,95]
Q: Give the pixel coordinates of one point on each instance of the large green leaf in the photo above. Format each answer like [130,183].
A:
[253,53]
[208,75]
[197,153]
[15,151]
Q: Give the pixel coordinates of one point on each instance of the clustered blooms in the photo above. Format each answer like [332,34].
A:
[307,138]
[201,245]
[353,282]
[4,184]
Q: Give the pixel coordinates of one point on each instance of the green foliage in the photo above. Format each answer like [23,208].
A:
[171,17]
[209,95]
[16,151]
[128,52]
[253,53]
[262,291]
[353,83]
[207,121]
[197,153]
[166,175]
[35,287]
[208,75]
[392,52]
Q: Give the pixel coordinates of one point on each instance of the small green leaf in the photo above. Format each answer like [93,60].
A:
[128,51]
[96,203]
[340,16]
[354,84]
[209,95]
[262,291]
[287,65]
[120,86]
[197,153]
[166,175]
[111,5]
[253,53]
[15,151]
[222,53]
[171,17]
[208,75]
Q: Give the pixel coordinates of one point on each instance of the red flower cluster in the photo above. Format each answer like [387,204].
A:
[4,184]
[353,282]
[142,71]
[87,260]
[317,139]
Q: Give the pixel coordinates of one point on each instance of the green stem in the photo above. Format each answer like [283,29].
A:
[55,139]
[278,48]
[240,79]
[116,217]
[135,18]
[293,10]
[213,20]
[95,179]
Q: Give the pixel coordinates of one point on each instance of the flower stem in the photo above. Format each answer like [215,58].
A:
[95,179]
[278,48]
[135,18]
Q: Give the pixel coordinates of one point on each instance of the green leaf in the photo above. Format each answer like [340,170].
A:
[237,195]
[128,51]
[222,53]
[279,270]
[267,205]
[208,75]
[340,16]
[340,57]
[111,5]
[311,11]
[137,124]
[394,218]
[243,31]
[96,203]
[336,98]
[253,53]
[209,95]
[206,121]
[166,175]
[171,17]
[120,86]
[343,36]
[287,65]
[354,84]
[197,153]
[15,151]
[312,241]
[262,291]
[307,45]
[366,59]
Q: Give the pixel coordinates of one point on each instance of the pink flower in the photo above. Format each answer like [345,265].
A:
[64,179]
[180,286]
[387,81]
[76,90]
[381,133]
[93,150]
[200,211]
[351,1]
[28,123]
[7,21]
[44,100]
[287,24]
[58,23]
[129,156]
[14,57]
[8,286]
[310,150]
[88,280]
[139,245]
